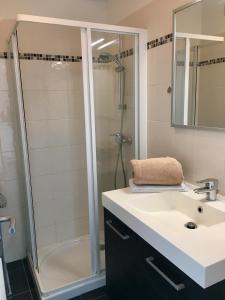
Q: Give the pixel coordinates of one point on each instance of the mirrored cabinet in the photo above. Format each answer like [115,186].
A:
[198,95]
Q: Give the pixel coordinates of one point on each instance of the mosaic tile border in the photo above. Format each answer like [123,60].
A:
[62,58]
[168,38]
[213,61]
[3,55]
[70,58]
[50,57]
[204,63]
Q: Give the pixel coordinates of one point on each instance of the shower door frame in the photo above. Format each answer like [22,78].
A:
[140,60]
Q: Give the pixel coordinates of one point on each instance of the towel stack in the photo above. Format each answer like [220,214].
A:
[157,172]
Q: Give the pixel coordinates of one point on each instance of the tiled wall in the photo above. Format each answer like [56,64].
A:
[10,170]
[211,86]
[53,97]
[200,151]
[108,118]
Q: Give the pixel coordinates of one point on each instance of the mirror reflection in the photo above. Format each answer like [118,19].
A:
[199,65]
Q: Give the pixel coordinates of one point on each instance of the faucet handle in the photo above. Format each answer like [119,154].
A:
[115,134]
[211,183]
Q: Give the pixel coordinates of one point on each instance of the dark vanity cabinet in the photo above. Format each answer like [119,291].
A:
[136,271]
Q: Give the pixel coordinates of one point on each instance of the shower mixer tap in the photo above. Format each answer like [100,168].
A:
[121,139]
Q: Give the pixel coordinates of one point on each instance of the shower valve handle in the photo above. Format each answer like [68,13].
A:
[120,139]
[115,134]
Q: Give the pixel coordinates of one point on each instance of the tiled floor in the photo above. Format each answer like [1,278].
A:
[23,287]
[99,294]
[21,281]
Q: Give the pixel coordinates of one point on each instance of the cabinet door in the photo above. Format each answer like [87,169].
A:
[120,259]
[136,271]
[162,280]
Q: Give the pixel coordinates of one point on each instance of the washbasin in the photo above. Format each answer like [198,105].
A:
[177,209]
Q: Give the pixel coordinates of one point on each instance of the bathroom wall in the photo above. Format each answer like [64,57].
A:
[54,111]
[118,10]
[211,75]
[211,85]
[85,10]
[200,151]
[10,170]
[108,114]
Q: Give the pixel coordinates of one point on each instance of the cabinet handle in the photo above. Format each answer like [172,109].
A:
[122,236]
[177,287]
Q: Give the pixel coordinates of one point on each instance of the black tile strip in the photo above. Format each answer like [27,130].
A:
[168,38]
[212,61]
[3,55]
[160,41]
[71,58]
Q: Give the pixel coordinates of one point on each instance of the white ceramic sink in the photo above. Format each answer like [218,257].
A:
[175,209]
[159,218]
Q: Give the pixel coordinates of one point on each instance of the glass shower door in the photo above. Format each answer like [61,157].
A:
[72,108]
[53,108]
[113,69]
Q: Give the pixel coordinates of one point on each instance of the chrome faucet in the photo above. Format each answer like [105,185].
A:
[210,188]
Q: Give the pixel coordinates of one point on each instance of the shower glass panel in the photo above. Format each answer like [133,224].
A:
[52,83]
[67,95]
[114,101]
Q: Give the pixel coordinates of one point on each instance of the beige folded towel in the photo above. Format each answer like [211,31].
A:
[161,171]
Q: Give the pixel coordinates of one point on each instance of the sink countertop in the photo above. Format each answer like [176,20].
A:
[199,253]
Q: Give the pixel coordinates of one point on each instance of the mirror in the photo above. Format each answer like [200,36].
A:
[198,94]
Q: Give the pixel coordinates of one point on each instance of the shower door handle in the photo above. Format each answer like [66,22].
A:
[122,236]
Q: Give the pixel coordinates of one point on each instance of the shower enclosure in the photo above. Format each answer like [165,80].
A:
[80,90]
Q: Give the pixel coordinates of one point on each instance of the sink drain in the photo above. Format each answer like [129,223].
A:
[191,225]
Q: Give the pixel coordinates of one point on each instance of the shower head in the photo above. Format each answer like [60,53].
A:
[107,57]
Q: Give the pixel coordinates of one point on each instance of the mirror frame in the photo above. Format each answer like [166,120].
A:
[175,11]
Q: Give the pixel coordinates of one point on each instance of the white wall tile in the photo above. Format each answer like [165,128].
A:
[159,104]
[60,159]
[36,81]
[9,160]
[7,141]
[75,103]
[42,187]
[56,79]
[160,139]
[3,77]
[40,161]
[57,105]
[46,235]
[5,109]
[44,213]
[39,134]
[59,132]
[36,102]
